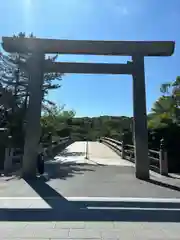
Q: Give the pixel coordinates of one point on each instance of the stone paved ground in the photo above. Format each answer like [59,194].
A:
[52,218]
[83,200]
[90,230]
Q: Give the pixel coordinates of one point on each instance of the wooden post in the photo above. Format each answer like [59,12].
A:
[6,161]
[33,129]
[140,119]
[87,124]
[8,157]
[50,148]
[87,155]
[123,147]
[163,161]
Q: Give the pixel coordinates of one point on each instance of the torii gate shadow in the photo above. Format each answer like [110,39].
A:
[64,210]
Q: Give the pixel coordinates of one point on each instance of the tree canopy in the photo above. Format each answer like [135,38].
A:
[14,89]
[166,110]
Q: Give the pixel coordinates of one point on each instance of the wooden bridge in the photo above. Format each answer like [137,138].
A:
[108,151]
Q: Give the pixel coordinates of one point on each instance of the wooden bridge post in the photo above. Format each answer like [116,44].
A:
[123,147]
[163,160]
[8,162]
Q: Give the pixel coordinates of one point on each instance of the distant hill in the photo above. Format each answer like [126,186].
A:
[94,127]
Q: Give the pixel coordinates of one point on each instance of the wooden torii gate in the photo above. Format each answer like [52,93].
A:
[37,66]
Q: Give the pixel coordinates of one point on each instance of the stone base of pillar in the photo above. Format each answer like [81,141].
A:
[28,176]
[28,173]
[142,176]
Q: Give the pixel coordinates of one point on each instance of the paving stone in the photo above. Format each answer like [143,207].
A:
[114,234]
[84,234]
[12,225]
[40,233]
[40,225]
[69,225]
[99,225]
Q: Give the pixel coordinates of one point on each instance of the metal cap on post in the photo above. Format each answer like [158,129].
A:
[163,161]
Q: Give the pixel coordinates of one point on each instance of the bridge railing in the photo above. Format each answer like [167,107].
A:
[48,150]
[13,156]
[158,159]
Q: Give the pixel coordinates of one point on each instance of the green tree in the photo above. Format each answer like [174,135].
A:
[172,89]
[167,108]
[55,120]
[162,113]
[14,79]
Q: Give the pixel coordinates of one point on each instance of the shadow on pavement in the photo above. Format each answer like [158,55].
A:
[64,210]
[63,170]
[68,153]
[164,185]
[58,149]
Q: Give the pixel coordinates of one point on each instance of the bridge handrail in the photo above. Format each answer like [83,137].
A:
[160,158]
[13,156]
[113,140]
[153,151]
[55,143]
[130,146]
[59,141]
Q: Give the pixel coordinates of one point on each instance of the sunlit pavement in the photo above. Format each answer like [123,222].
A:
[92,153]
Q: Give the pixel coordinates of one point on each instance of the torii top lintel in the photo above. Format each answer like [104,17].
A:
[121,48]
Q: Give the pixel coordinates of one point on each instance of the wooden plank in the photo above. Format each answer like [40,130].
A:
[121,48]
[153,151]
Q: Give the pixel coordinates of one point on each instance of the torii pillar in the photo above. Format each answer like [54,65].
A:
[140,119]
[35,67]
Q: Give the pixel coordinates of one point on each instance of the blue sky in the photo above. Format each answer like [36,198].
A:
[94,95]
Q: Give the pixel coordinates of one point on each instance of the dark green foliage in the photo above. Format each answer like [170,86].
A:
[170,134]
[164,122]
[15,80]
[96,127]
[64,123]
[166,110]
